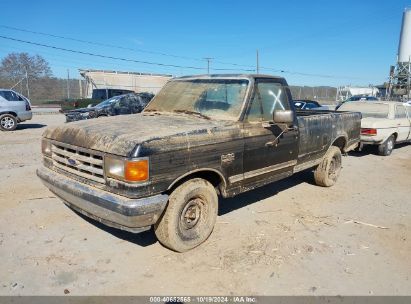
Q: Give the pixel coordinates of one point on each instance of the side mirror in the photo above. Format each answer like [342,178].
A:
[283,116]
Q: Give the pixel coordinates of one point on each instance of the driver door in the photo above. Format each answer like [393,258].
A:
[269,153]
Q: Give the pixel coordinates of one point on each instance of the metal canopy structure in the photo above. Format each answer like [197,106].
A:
[135,81]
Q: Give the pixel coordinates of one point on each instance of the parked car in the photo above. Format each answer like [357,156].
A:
[104,94]
[383,123]
[357,98]
[200,136]
[14,108]
[119,105]
[362,98]
[304,104]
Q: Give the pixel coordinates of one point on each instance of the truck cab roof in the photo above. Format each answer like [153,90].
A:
[232,76]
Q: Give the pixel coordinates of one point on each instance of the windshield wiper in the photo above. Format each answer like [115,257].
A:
[192,113]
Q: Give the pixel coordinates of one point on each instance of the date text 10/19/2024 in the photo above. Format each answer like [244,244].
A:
[205,299]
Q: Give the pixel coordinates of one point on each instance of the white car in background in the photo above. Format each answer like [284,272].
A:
[383,123]
[14,108]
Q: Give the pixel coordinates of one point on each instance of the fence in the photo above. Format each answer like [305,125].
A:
[58,89]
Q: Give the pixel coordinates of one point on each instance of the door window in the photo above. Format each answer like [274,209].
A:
[268,97]
[408,108]
[9,95]
[400,112]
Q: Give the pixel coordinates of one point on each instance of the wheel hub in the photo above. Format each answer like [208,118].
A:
[333,170]
[191,213]
[7,123]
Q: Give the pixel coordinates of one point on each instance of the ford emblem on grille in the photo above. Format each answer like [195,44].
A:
[71,162]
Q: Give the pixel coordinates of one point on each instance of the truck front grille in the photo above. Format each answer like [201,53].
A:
[79,161]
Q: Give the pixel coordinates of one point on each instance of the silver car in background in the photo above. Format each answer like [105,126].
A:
[14,108]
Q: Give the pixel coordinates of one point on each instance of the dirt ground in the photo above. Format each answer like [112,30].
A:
[288,238]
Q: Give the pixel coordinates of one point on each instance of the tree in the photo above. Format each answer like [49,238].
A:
[15,66]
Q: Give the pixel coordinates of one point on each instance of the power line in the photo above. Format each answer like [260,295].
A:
[99,55]
[78,63]
[113,57]
[311,75]
[251,67]
[116,46]
[99,43]
[178,66]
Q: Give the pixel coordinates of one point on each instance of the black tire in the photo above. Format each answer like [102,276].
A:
[189,217]
[327,172]
[386,147]
[8,122]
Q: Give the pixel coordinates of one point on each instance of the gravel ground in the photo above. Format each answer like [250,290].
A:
[288,238]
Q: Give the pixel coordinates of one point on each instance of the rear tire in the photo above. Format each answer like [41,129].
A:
[8,122]
[189,217]
[386,147]
[327,172]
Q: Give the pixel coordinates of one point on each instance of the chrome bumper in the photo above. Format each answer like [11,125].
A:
[134,215]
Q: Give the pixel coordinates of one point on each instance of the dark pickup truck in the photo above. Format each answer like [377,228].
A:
[200,137]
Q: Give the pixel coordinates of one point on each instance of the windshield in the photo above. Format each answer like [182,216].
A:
[220,99]
[375,110]
[358,98]
[108,102]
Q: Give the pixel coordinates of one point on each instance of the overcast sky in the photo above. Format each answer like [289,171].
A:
[308,42]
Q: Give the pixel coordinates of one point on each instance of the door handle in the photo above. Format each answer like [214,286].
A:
[272,143]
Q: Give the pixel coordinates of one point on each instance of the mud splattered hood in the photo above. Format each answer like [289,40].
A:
[120,135]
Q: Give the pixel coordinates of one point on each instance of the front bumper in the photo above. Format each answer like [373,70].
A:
[134,215]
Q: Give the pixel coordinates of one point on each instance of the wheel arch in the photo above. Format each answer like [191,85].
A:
[215,177]
[340,142]
[9,112]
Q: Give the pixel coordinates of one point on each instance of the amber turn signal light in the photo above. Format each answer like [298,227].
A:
[136,171]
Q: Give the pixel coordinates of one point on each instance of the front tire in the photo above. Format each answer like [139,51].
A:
[327,172]
[190,216]
[386,147]
[8,122]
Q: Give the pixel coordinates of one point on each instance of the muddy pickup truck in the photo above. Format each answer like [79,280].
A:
[200,137]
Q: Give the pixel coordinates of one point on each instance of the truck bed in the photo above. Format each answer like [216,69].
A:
[318,128]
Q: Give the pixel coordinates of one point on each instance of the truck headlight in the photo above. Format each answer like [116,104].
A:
[46,147]
[127,170]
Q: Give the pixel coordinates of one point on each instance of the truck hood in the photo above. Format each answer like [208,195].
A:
[120,134]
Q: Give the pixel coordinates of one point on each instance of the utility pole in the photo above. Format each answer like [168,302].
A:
[27,84]
[258,64]
[208,63]
[68,85]
[408,78]
[80,86]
